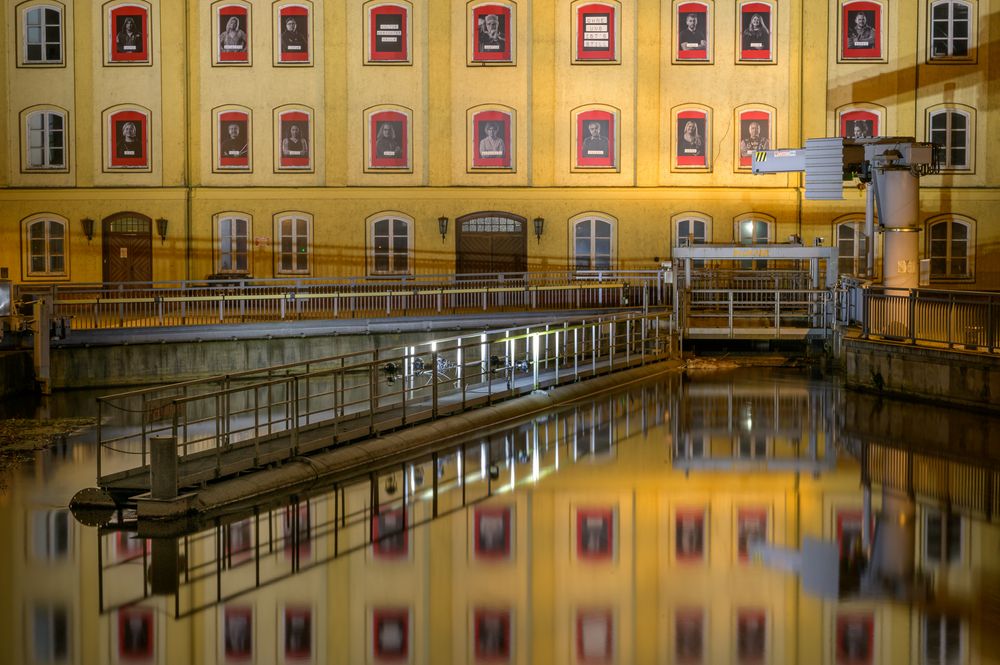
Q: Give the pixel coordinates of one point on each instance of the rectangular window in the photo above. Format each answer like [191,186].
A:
[949,250]
[950,30]
[234,245]
[593,245]
[391,246]
[943,538]
[50,634]
[950,133]
[46,248]
[42,36]
[942,640]
[46,140]
[294,244]
[50,534]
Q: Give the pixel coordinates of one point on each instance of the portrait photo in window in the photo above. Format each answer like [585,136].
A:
[294,32]
[491,635]
[756,32]
[691,139]
[388,141]
[389,535]
[754,135]
[595,534]
[128,140]
[233,132]
[596,37]
[595,140]
[491,34]
[492,532]
[128,34]
[388,33]
[233,35]
[858,124]
[294,147]
[491,139]
[391,634]
[861,31]
[694,32]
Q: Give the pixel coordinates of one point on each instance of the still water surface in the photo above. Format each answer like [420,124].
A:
[660,524]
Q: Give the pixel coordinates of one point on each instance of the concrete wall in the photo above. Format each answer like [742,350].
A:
[968,379]
[16,373]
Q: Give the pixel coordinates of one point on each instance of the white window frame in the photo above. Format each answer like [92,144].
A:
[26,30]
[946,557]
[949,23]
[231,237]
[279,236]
[859,254]
[739,225]
[44,136]
[938,623]
[949,134]
[970,247]
[592,257]
[48,240]
[389,218]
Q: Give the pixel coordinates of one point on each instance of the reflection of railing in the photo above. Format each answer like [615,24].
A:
[966,319]
[224,425]
[244,300]
[377,509]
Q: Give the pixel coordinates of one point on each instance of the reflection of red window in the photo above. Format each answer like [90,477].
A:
[298,633]
[750,143]
[128,140]
[234,140]
[861,28]
[751,636]
[296,530]
[387,37]
[389,140]
[295,149]
[595,139]
[491,133]
[390,538]
[128,546]
[751,528]
[594,533]
[755,33]
[128,34]
[690,534]
[492,635]
[689,636]
[855,639]
[859,124]
[492,533]
[391,634]
[594,636]
[491,33]
[293,44]
[234,44]
[692,38]
[238,634]
[595,32]
[135,635]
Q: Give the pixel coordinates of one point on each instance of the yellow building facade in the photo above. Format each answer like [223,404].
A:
[82,81]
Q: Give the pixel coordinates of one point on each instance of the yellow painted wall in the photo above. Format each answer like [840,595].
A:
[806,86]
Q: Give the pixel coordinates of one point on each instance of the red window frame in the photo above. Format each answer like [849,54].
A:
[501,55]
[873,52]
[750,55]
[140,119]
[606,515]
[374,55]
[379,547]
[374,160]
[596,11]
[224,13]
[299,56]
[582,120]
[482,552]
[120,11]
[382,615]
[694,53]
[758,115]
[478,120]
[853,116]
[693,160]
[295,162]
[229,162]
[502,654]
[136,653]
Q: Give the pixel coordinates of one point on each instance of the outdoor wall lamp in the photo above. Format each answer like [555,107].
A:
[161,229]
[539,227]
[443,227]
[88,228]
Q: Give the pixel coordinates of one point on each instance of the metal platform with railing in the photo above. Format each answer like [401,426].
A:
[226,425]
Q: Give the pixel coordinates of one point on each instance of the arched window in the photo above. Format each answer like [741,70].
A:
[753,229]
[45,240]
[45,139]
[292,231]
[592,243]
[951,130]
[852,247]
[692,229]
[391,243]
[949,247]
[951,29]
[43,35]
[233,243]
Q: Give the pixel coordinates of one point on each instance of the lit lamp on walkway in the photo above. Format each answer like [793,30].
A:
[88,228]
[443,227]
[539,227]
[161,229]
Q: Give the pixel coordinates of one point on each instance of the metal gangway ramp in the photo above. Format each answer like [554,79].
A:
[227,425]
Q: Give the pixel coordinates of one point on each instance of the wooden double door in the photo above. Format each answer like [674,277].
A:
[127,248]
[491,243]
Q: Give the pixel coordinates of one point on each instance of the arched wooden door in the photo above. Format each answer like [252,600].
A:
[491,242]
[127,248]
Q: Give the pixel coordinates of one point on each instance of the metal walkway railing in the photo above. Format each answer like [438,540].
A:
[186,303]
[228,424]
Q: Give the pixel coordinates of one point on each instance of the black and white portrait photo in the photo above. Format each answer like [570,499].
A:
[233,38]
[861,29]
[388,139]
[233,142]
[491,140]
[128,33]
[294,141]
[753,137]
[491,35]
[595,139]
[860,129]
[756,33]
[690,137]
[294,34]
[128,139]
[692,34]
